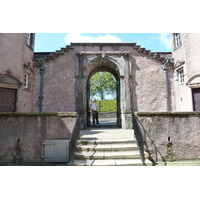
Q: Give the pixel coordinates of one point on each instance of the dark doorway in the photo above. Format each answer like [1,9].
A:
[196,99]
[106,118]
[7,99]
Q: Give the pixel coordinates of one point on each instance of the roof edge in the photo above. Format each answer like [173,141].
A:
[160,56]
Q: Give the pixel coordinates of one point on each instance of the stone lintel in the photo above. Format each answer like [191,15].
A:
[7,85]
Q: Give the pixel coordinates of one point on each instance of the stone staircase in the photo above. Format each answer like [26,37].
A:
[108,152]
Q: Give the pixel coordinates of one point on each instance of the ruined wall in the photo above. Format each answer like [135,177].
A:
[22,134]
[177,135]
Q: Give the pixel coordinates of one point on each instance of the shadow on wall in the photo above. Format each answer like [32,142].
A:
[22,135]
[171,89]
[176,134]
[134,84]
[148,89]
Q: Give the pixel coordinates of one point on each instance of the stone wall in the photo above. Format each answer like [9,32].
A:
[140,75]
[148,86]
[176,134]
[146,79]
[59,85]
[22,134]
[111,114]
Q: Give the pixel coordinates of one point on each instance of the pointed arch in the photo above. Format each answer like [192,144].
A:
[102,64]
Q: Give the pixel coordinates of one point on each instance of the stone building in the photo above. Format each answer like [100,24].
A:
[148,82]
[186,50]
[58,81]
[16,72]
[139,75]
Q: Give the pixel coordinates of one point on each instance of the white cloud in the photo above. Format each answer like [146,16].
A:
[165,39]
[78,38]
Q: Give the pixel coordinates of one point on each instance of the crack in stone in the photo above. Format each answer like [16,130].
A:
[95,144]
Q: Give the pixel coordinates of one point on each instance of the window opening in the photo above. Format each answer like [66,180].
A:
[30,40]
[26,77]
[177,40]
[181,75]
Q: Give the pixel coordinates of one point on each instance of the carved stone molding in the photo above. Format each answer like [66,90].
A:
[9,79]
[126,55]
[81,56]
[103,53]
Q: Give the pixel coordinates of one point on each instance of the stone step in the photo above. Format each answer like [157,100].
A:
[108,152]
[109,162]
[107,147]
[107,155]
[104,141]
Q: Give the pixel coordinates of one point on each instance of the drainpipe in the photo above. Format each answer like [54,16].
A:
[165,71]
[42,72]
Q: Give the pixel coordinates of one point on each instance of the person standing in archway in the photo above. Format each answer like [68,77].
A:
[95,112]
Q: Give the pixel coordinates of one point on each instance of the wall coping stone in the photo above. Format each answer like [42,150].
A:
[33,114]
[168,114]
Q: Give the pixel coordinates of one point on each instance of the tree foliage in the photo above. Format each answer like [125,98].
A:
[101,84]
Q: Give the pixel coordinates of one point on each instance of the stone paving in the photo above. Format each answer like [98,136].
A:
[184,163]
[106,121]
[107,133]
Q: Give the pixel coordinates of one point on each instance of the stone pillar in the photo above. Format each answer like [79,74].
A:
[165,72]
[41,97]
[79,90]
[126,97]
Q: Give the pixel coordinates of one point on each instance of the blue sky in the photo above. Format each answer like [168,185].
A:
[156,42]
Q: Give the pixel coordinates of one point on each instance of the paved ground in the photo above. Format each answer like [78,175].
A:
[106,121]
[106,133]
[184,163]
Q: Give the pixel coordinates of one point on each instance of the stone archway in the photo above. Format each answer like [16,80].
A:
[115,62]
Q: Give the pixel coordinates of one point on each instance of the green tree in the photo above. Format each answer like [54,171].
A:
[101,84]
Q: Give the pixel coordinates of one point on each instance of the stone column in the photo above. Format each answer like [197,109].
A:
[79,89]
[127,110]
[41,97]
[122,99]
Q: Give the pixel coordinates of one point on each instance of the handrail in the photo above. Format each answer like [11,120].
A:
[73,139]
[139,137]
[138,123]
